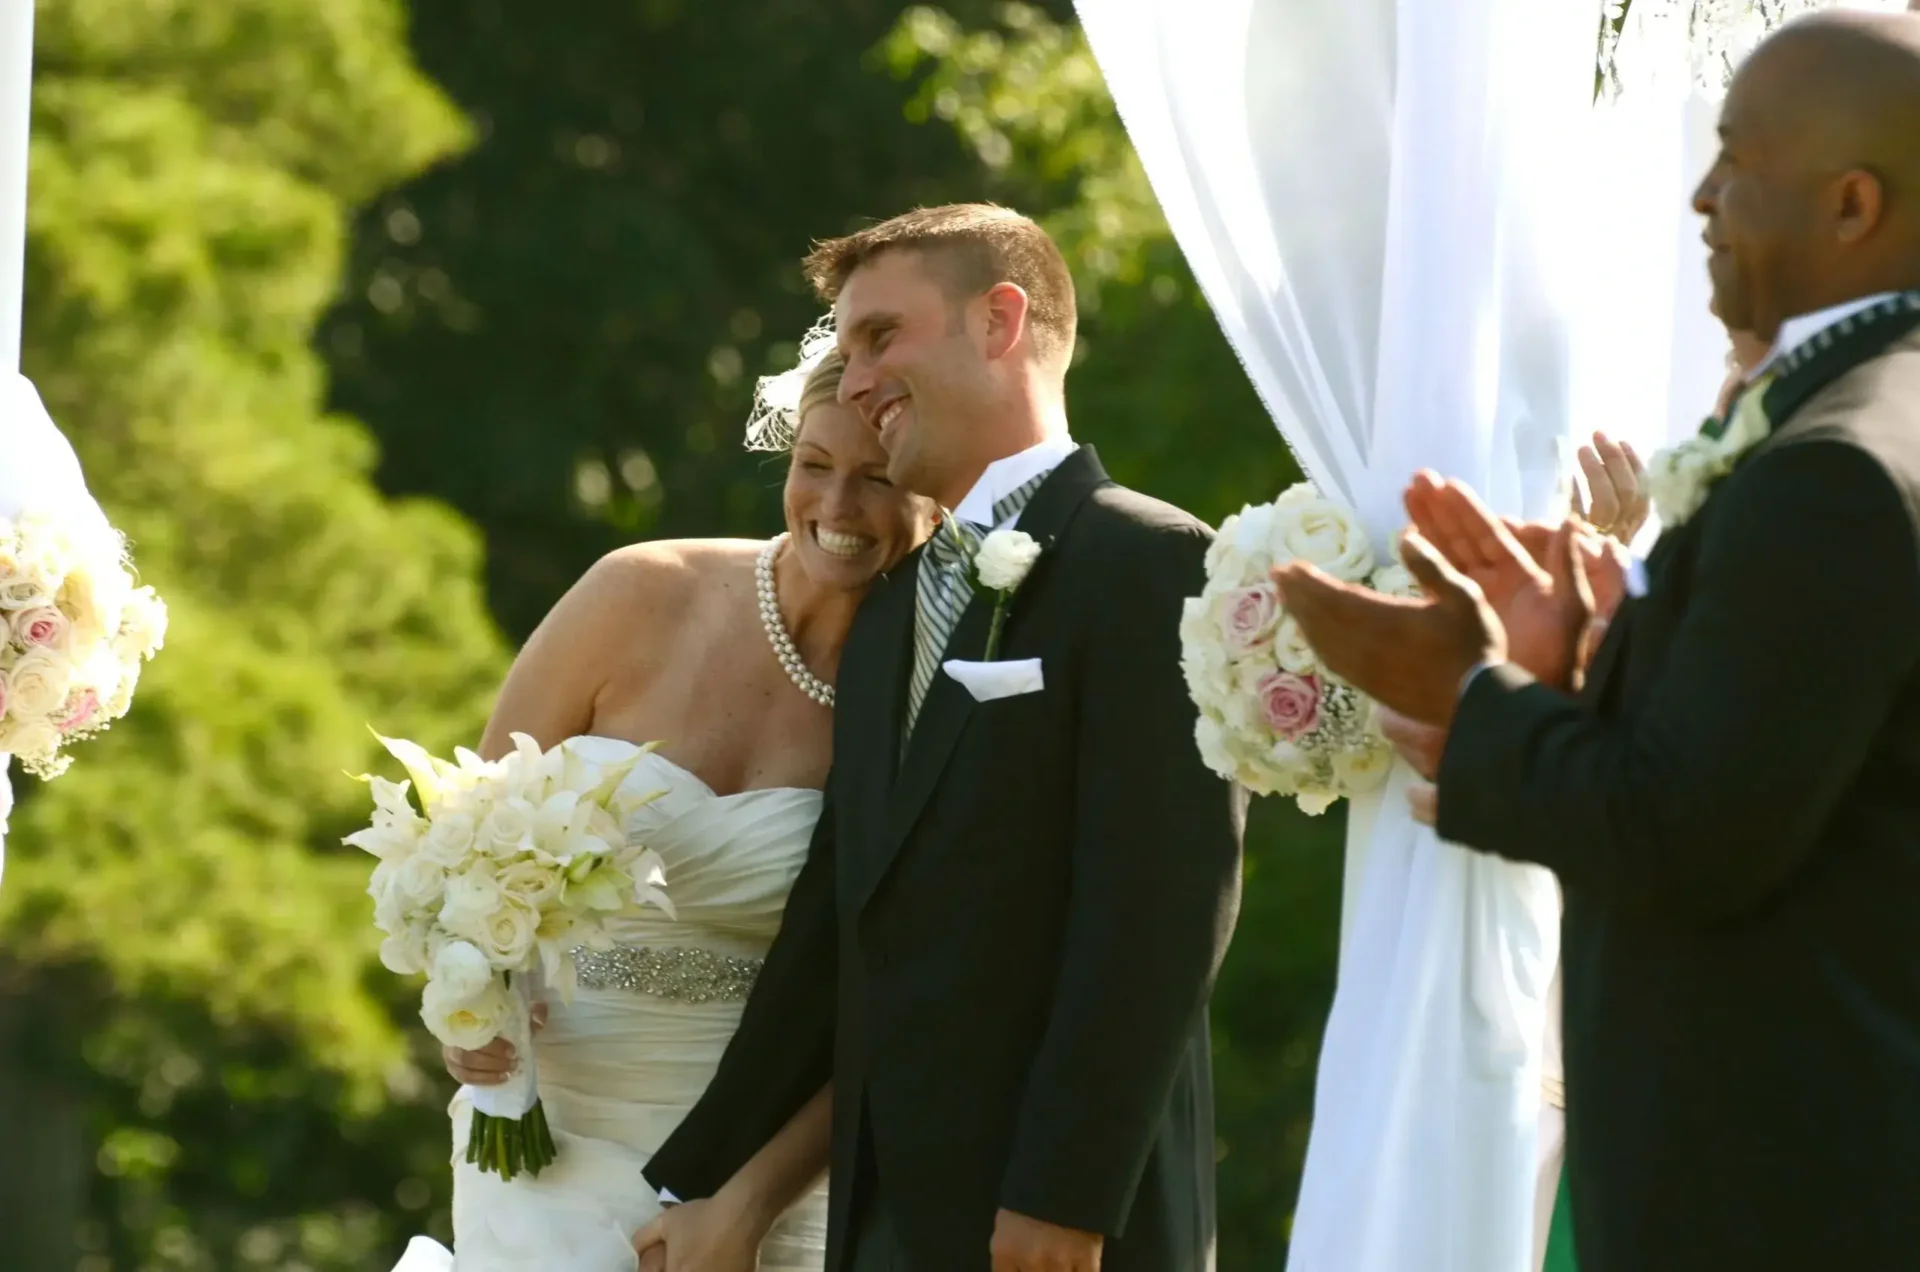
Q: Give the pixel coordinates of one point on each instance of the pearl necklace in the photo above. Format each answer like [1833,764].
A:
[783,648]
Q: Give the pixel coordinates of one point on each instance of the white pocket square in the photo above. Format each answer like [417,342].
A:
[989,680]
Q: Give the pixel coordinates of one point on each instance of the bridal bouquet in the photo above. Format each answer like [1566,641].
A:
[74,631]
[1271,718]
[506,867]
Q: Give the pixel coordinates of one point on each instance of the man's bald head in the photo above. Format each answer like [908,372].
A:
[1815,197]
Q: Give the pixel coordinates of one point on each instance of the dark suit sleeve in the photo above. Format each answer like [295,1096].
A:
[1711,789]
[782,1053]
[1156,875]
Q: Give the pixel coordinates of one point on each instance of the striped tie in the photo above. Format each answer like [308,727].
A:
[943,592]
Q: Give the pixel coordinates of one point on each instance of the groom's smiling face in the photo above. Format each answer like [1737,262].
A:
[914,372]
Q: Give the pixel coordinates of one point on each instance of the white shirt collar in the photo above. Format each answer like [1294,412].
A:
[1004,476]
[1795,332]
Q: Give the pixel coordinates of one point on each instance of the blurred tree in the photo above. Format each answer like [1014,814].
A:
[194,1045]
[559,332]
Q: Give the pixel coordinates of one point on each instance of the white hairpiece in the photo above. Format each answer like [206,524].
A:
[775,420]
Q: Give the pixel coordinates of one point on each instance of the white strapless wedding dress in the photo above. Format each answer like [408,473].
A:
[622,1063]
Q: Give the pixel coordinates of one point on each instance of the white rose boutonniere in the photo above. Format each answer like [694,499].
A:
[1001,565]
[1680,477]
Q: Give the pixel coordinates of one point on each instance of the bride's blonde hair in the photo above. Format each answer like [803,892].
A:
[821,389]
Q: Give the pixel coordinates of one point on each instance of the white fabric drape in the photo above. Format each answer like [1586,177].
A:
[1377,197]
[16,78]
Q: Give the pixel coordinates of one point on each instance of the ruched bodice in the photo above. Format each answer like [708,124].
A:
[620,1065]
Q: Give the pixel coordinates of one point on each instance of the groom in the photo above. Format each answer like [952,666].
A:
[1000,950]
[1730,802]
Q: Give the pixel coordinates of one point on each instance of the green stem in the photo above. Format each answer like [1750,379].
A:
[999,621]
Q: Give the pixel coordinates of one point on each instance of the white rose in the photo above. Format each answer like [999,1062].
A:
[1361,770]
[419,882]
[1314,803]
[1287,758]
[143,625]
[95,611]
[1394,579]
[1320,532]
[461,970]
[1242,548]
[1004,559]
[467,1023]
[539,886]
[405,953]
[1214,752]
[27,580]
[38,684]
[472,898]
[449,840]
[506,936]
[121,699]
[1292,651]
[507,830]
[36,742]
[1209,675]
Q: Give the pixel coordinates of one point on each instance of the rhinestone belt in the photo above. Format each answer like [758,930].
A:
[682,974]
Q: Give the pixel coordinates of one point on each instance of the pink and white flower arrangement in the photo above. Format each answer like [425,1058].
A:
[505,869]
[74,632]
[1271,718]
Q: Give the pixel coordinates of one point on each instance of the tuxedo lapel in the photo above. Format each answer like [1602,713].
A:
[948,706]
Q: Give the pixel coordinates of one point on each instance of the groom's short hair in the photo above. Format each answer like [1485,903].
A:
[973,246]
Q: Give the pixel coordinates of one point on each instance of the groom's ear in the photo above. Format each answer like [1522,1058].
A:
[1005,306]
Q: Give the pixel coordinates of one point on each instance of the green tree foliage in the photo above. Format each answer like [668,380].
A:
[559,332]
[178,910]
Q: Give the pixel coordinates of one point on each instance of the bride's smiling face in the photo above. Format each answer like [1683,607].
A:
[847,520]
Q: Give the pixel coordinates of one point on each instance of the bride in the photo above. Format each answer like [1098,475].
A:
[727,651]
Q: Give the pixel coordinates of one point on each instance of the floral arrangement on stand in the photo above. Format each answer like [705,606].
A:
[1271,717]
[75,630]
[488,888]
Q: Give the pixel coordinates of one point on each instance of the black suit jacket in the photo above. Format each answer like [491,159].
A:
[1002,944]
[1734,814]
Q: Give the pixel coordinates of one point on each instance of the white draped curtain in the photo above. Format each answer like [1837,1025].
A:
[16,78]
[1381,200]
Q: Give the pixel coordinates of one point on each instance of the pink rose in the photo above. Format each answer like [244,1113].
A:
[1291,703]
[81,707]
[1248,616]
[44,626]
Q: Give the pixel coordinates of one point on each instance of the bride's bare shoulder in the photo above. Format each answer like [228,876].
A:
[654,582]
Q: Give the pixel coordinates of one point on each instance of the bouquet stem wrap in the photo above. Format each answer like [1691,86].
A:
[509,1132]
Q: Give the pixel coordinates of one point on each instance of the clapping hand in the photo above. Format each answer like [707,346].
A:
[1409,655]
[1616,503]
[1541,595]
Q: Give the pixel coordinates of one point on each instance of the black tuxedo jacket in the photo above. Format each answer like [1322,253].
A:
[1001,946]
[1734,814]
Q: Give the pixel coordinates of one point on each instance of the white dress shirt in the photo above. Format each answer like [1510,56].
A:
[1795,332]
[1004,476]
